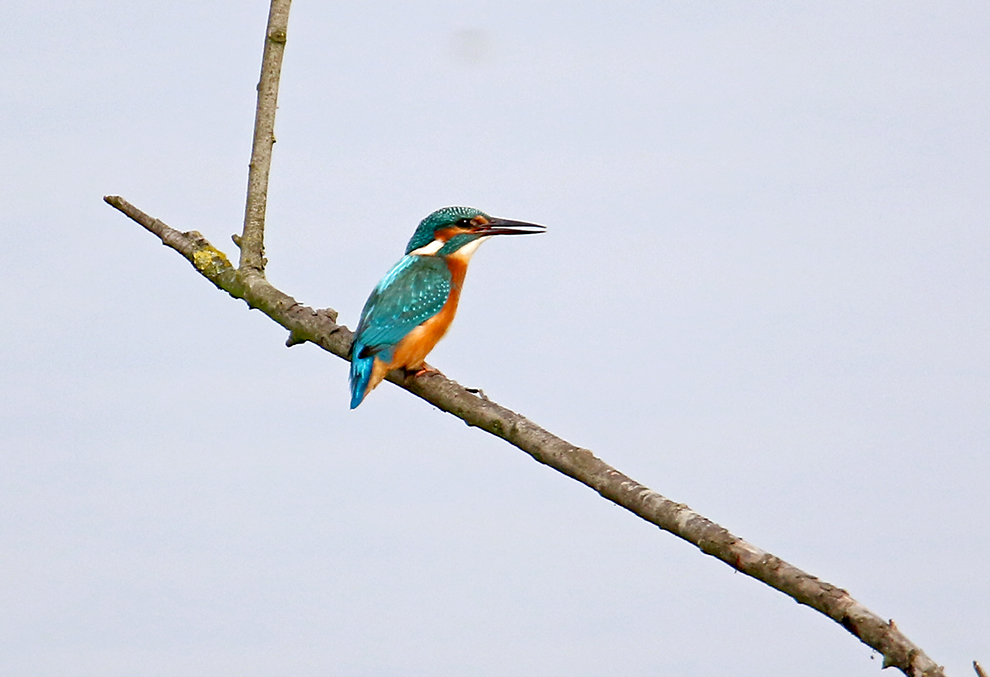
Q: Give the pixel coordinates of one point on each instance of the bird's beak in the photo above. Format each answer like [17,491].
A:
[498,226]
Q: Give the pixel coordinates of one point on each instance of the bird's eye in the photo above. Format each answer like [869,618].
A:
[464,223]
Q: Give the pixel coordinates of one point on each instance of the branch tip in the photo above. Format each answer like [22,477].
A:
[252,244]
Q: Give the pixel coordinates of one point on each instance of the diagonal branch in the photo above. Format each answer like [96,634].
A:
[319,327]
[248,282]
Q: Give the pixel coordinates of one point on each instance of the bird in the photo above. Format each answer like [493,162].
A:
[412,307]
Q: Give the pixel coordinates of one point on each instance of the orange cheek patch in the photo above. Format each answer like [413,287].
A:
[447,233]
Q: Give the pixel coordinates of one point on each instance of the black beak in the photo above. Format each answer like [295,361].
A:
[507,227]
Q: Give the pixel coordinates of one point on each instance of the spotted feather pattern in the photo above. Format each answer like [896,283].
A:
[413,291]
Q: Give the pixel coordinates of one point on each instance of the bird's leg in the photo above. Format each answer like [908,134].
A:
[421,370]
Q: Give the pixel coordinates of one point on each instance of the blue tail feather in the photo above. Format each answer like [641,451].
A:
[360,374]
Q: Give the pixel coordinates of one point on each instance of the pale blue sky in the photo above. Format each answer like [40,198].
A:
[764,292]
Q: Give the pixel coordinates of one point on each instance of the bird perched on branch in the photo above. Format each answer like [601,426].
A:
[412,307]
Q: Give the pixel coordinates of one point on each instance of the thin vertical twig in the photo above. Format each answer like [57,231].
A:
[252,238]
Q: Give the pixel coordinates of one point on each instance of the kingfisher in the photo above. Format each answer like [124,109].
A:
[412,307]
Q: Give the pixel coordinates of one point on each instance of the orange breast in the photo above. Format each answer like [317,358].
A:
[417,344]
[412,350]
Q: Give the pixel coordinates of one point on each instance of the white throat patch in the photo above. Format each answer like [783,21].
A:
[468,250]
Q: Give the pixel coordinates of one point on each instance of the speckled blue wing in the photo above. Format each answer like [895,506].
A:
[412,292]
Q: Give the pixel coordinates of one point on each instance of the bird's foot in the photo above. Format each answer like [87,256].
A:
[423,370]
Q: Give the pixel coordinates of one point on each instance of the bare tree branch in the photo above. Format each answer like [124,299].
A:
[247,282]
[252,238]
[319,327]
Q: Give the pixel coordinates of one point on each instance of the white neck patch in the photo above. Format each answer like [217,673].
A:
[465,252]
[428,250]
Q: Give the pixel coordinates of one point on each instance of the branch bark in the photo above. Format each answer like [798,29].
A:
[252,237]
[247,282]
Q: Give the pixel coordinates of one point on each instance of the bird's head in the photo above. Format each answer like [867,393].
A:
[448,230]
